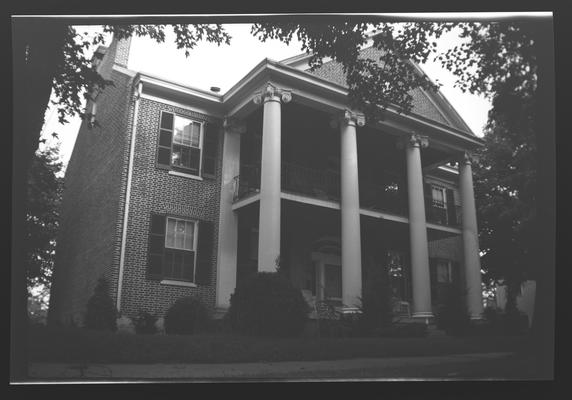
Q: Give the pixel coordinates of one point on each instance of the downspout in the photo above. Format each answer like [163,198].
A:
[137,96]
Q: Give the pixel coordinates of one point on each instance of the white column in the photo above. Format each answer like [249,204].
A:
[421,281]
[351,236]
[270,185]
[471,256]
[228,221]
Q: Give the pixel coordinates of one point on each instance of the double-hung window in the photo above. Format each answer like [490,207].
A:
[187,145]
[442,205]
[180,249]
[438,196]
[180,245]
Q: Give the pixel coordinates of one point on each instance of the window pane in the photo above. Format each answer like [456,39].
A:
[180,234]
[178,136]
[170,238]
[186,157]
[168,265]
[182,133]
[176,155]
[186,135]
[438,194]
[189,235]
[189,266]
[195,159]
[195,134]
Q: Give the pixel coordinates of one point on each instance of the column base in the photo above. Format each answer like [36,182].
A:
[424,316]
[477,318]
[219,312]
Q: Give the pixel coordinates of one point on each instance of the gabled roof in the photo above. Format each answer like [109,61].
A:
[431,105]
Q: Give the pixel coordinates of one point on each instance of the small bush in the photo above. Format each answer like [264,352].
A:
[186,316]
[404,330]
[268,304]
[160,326]
[514,322]
[452,315]
[145,323]
[125,325]
[101,313]
[491,315]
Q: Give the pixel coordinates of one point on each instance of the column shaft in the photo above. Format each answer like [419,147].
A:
[270,186]
[228,222]
[472,260]
[421,283]
[351,236]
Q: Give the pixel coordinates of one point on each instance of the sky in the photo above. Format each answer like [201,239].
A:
[223,66]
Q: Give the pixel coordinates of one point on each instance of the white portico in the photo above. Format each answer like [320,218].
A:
[268,89]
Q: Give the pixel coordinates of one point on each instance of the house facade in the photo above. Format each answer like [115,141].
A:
[178,191]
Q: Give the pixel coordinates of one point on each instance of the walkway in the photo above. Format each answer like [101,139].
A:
[460,366]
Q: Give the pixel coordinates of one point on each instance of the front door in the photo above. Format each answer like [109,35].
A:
[328,270]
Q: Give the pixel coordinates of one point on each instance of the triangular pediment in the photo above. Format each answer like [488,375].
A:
[430,105]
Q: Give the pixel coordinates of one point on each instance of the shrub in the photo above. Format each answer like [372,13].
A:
[101,313]
[491,315]
[268,304]
[125,325]
[145,323]
[160,326]
[514,322]
[403,330]
[186,316]
[452,315]
[376,307]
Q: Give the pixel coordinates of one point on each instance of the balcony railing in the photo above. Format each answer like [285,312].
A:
[316,183]
[389,196]
[248,182]
[440,213]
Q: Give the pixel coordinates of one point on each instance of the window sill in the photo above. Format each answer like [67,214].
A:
[182,174]
[177,283]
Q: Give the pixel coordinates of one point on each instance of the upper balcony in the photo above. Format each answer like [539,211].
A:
[388,195]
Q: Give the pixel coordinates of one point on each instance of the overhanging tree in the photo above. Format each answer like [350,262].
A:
[45,187]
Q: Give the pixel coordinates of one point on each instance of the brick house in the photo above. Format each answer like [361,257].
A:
[180,191]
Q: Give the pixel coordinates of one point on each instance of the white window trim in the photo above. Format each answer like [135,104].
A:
[184,175]
[201,146]
[171,282]
[195,244]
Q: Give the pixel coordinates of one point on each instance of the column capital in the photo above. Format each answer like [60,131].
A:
[272,93]
[348,117]
[413,140]
[234,125]
[468,158]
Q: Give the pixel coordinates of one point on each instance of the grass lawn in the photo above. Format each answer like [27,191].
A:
[82,345]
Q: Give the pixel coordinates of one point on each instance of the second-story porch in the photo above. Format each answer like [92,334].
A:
[311,167]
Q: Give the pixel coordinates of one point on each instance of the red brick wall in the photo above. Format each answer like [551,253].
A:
[153,190]
[87,241]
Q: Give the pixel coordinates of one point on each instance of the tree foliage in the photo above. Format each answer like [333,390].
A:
[76,77]
[42,215]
